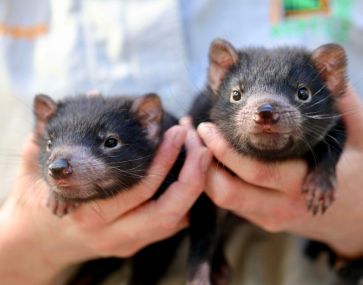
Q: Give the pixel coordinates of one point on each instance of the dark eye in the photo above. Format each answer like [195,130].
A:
[111,142]
[49,144]
[303,93]
[236,96]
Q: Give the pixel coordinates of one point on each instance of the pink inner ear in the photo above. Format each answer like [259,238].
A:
[44,107]
[148,110]
[44,111]
[330,60]
[222,56]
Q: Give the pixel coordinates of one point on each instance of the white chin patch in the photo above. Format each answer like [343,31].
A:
[269,141]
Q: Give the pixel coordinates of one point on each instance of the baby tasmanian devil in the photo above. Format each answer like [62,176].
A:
[277,104]
[93,146]
[273,105]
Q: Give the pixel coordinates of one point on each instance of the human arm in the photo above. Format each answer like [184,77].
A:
[36,246]
[269,195]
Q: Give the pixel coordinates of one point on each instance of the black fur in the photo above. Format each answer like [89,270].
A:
[82,121]
[277,73]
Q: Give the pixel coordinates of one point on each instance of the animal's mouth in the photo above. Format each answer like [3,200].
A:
[69,191]
[62,183]
[270,141]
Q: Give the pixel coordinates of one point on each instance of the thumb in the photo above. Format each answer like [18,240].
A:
[29,156]
[351,108]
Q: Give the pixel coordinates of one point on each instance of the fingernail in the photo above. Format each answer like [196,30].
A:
[186,121]
[205,128]
[205,161]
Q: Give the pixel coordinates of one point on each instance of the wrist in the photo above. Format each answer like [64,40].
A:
[23,257]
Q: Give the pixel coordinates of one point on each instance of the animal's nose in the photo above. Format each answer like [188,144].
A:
[266,114]
[60,169]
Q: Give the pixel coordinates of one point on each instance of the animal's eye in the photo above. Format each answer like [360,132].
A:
[236,95]
[303,93]
[49,144]
[111,142]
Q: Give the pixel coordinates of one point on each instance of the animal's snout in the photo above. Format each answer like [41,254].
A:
[60,169]
[266,114]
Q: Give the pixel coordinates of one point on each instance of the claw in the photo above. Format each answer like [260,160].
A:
[323,208]
[59,207]
[315,210]
[319,186]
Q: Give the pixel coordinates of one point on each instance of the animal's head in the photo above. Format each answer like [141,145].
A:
[274,103]
[94,146]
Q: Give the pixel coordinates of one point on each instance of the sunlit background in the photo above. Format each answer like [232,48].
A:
[136,46]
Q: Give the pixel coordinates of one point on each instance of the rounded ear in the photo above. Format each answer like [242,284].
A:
[149,112]
[44,108]
[222,55]
[331,62]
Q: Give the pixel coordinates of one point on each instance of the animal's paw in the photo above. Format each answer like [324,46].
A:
[319,186]
[60,207]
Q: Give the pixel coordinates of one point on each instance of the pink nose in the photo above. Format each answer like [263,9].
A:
[60,169]
[266,115]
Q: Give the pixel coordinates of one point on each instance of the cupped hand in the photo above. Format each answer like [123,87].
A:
[119,226]
[269,194]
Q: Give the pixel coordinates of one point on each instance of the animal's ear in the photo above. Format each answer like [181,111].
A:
[222,55]
[331,62]
[44,108]
[149,111]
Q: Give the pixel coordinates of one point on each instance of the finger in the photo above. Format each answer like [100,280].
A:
[30,155]
[186,122]
[270,209]
[128,241]
[351,108]
[277,175]
[163,214]
[193,139]
[108,210]
[183,193]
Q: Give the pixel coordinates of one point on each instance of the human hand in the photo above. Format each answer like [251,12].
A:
[269,194]
[33,240]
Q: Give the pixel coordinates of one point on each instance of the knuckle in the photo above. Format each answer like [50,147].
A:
[194,185]
[147,192]
[147,189]
[170,221]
